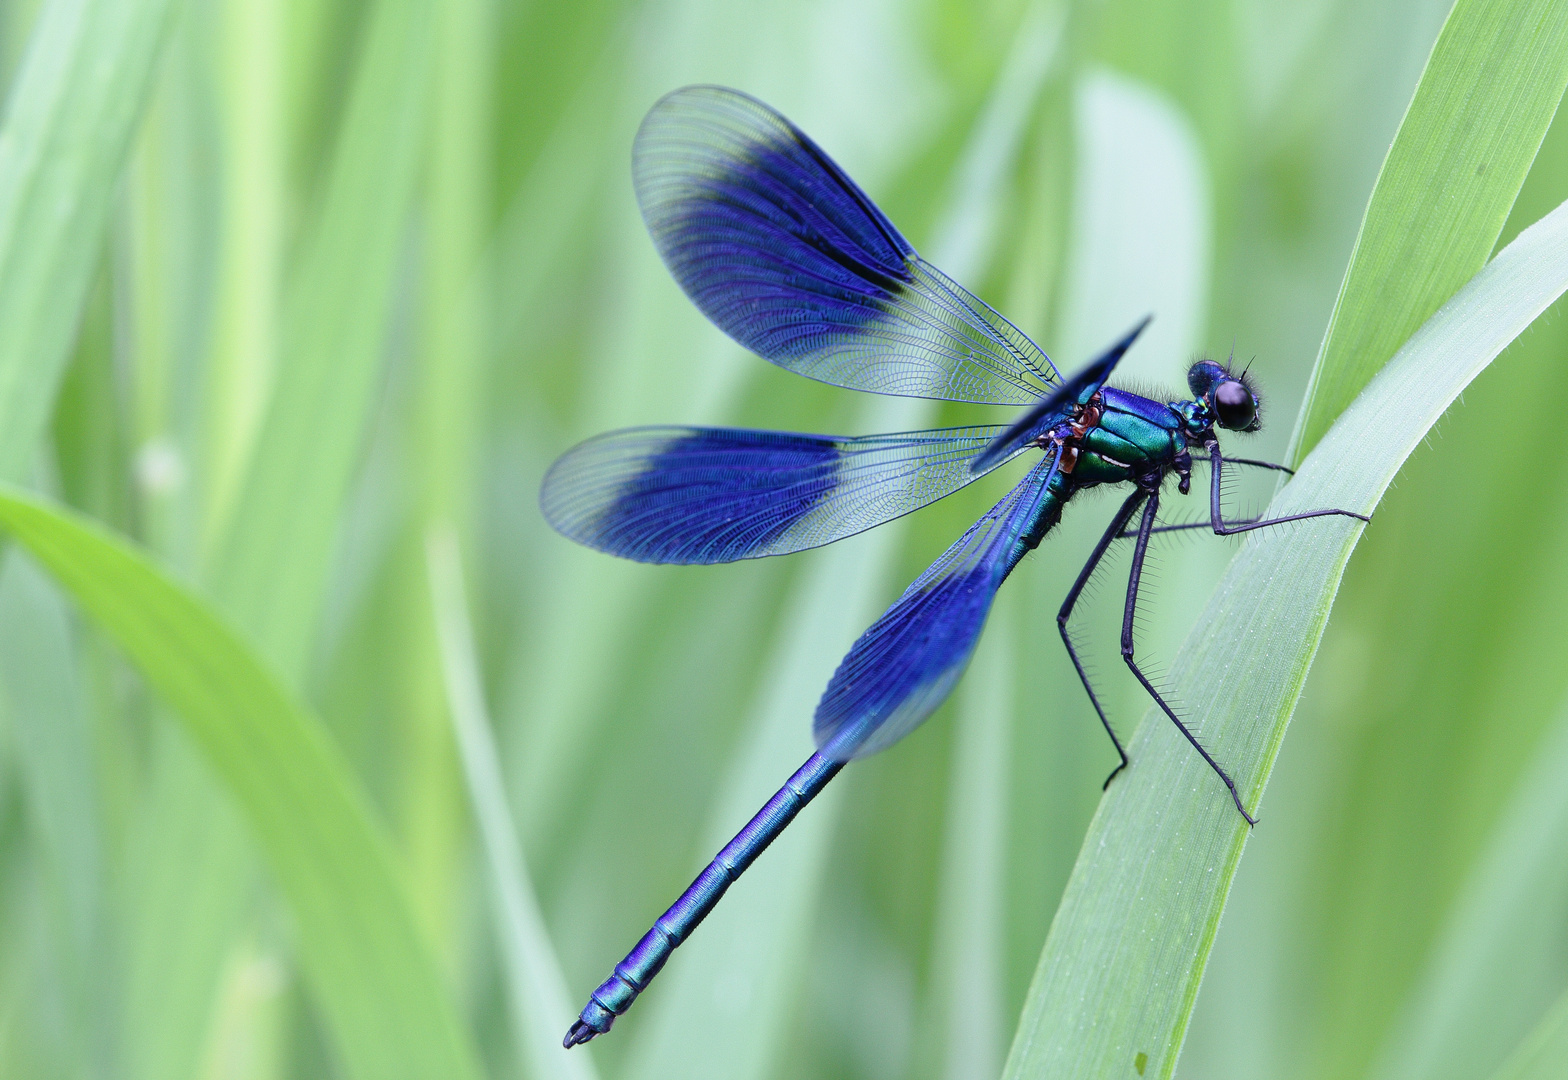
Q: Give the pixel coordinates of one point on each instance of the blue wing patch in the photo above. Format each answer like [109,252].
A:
[907,663]
[783,252]
[709,495]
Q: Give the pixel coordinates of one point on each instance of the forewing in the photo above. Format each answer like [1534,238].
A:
[907,663]
[789,257]
[709,495]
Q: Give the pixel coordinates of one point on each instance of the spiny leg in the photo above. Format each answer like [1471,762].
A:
[1128,534]
[1118,523]
[1286,469]
[1129,613]
[1217,520]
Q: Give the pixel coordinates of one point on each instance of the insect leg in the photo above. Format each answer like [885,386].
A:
[1118,523]
[1241,525]
[1128,534]
[1145,527]
[1287,470]
[1223,528]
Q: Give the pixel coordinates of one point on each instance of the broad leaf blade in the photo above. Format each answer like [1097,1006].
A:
[1121,967]
[1489,92]
[367,964]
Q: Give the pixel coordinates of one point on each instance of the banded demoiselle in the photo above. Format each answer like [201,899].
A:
[785,254]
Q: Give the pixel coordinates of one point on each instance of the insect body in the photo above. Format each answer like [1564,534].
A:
[785,254]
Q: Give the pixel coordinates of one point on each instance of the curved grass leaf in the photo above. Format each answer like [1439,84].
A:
[371,972]
[1121,968]
[1485,100]
[265,542]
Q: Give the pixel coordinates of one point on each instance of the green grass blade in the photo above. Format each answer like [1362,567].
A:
[542,1007]
[242,360]
[450,348]
[1121,967]
[68,124]
[1496,967]
[371,972]
[196,270]
[280,514]
[1485,100]
[248,1017]
[270,570]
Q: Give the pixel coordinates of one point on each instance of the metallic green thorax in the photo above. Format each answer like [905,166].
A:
[1135,435]
[1115,437]
[1120,437]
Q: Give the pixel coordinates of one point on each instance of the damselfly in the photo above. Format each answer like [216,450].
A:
[789,257]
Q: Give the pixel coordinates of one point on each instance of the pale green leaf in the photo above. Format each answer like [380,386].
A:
[1121,967]
[242,359]
[1490,89]
[370,970]
[193,876]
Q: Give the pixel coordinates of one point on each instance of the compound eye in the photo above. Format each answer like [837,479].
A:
[1234,405]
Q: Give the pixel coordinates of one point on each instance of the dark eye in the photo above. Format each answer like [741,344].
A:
[1234,405]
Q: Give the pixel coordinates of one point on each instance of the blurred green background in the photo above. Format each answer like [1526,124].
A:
[367,266]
